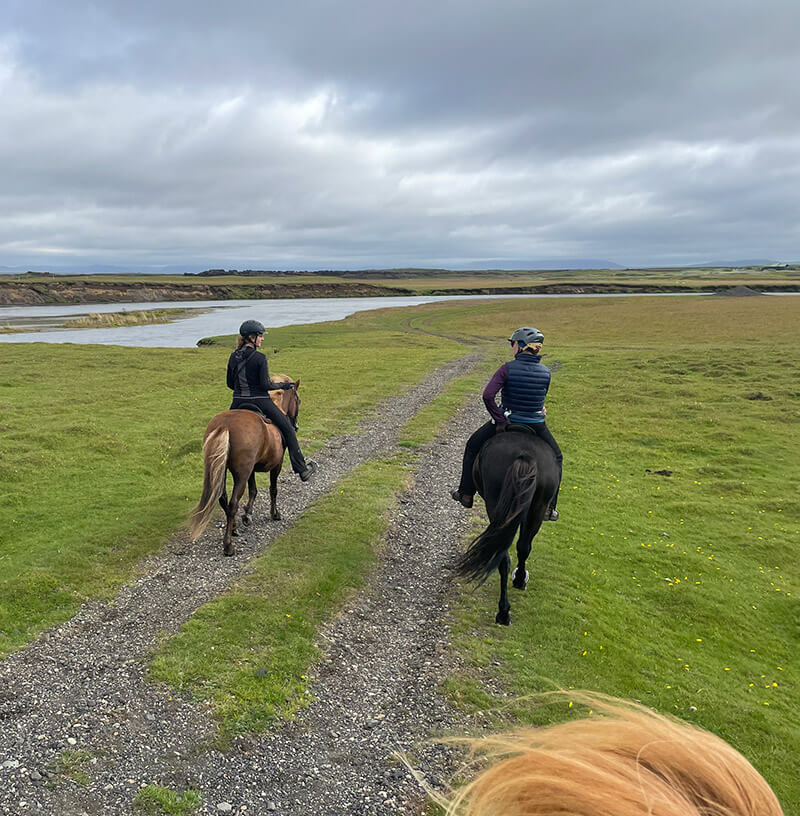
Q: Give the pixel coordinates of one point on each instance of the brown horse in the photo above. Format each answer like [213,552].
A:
[243,442]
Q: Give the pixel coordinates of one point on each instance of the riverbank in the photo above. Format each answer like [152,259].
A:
[85,290]
[36,290]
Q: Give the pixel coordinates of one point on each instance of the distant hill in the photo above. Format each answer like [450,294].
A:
[483,265]
[733,264]
[486,264]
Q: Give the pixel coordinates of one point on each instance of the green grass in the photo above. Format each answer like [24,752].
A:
[432,418]
[70,764]
[100,456]
[111,319]
[158,801]
[248,651]
[643,383]
[700,622]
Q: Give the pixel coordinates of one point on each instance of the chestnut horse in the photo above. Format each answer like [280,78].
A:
[242,442]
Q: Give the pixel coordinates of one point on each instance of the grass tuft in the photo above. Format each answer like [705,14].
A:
[155,800]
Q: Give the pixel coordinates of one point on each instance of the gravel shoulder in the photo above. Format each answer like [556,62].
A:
[82,729]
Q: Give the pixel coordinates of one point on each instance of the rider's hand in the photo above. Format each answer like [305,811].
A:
[500,428]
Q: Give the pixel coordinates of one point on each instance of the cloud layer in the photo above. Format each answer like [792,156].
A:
[325,135]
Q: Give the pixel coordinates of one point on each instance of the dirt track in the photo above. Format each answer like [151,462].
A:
[81,687]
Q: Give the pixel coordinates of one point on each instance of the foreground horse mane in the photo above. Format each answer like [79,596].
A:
[626,761]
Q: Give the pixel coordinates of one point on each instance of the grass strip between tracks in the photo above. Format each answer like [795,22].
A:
[247,652]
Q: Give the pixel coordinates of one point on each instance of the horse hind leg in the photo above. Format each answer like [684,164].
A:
[239,483]
[503,615]
[520,576]
[252,492]
[274,513]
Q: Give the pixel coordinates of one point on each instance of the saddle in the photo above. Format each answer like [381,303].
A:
[520,427]
[251,406]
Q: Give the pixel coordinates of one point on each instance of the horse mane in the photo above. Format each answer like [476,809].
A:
[625,761]
[277,395]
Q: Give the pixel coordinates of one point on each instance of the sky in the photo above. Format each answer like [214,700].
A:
[348,135]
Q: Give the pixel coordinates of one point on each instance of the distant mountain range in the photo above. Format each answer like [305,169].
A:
[751,262]
[484,264]
[180,269]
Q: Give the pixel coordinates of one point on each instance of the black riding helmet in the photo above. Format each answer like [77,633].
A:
[251,327]
[526,336]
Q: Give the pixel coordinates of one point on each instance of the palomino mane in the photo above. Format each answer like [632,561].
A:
[277,395]
[627,760]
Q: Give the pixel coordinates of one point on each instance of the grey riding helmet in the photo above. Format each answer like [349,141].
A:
[526,336]
[251,327]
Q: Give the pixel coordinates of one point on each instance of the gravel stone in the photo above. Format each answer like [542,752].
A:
[375,689]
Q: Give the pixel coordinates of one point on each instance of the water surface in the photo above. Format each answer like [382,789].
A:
[206,318]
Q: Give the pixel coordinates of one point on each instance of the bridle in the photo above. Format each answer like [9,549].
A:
[293,419]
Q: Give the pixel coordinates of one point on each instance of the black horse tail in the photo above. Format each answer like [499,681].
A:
[484,554]
[215,461]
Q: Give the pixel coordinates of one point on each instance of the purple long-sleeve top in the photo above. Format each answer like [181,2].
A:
[493,388]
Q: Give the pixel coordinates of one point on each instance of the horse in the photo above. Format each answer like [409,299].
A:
[242,441]
[517,475]
[623,760]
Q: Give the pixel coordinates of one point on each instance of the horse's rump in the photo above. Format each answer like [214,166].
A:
[517,475]
[504,452]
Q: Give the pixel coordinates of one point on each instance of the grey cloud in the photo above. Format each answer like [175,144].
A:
[398,133]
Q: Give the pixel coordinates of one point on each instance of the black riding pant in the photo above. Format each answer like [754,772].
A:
[483,435]
[281,422]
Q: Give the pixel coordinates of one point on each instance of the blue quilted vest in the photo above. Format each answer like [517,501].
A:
[525,388]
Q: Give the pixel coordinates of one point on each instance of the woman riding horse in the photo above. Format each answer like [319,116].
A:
[248,377]
[524,382]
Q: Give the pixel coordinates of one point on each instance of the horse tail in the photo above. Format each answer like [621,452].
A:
[485,552]
[215,460]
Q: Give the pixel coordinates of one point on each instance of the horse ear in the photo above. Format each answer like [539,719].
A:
[296,384]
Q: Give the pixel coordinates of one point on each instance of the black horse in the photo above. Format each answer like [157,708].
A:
[517,475]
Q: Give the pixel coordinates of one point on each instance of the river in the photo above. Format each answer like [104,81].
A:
[215,317]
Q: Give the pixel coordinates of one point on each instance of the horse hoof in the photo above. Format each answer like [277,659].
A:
[229,553]
[276,516]
[235,533]
[503,618]
[519,584]
[246,521]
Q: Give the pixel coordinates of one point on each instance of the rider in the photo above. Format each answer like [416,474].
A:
[248,376]
[524,382]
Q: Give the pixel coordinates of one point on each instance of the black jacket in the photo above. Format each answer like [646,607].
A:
[248,374]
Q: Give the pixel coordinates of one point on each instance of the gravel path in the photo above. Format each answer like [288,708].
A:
[80,688]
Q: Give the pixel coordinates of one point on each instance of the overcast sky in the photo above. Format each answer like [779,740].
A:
[340,134]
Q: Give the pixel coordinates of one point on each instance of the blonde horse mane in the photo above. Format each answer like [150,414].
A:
[277,395]
[626,760]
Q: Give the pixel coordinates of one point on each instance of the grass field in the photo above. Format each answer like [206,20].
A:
[100,448]
[700,622]
[681,590]
[269,620]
